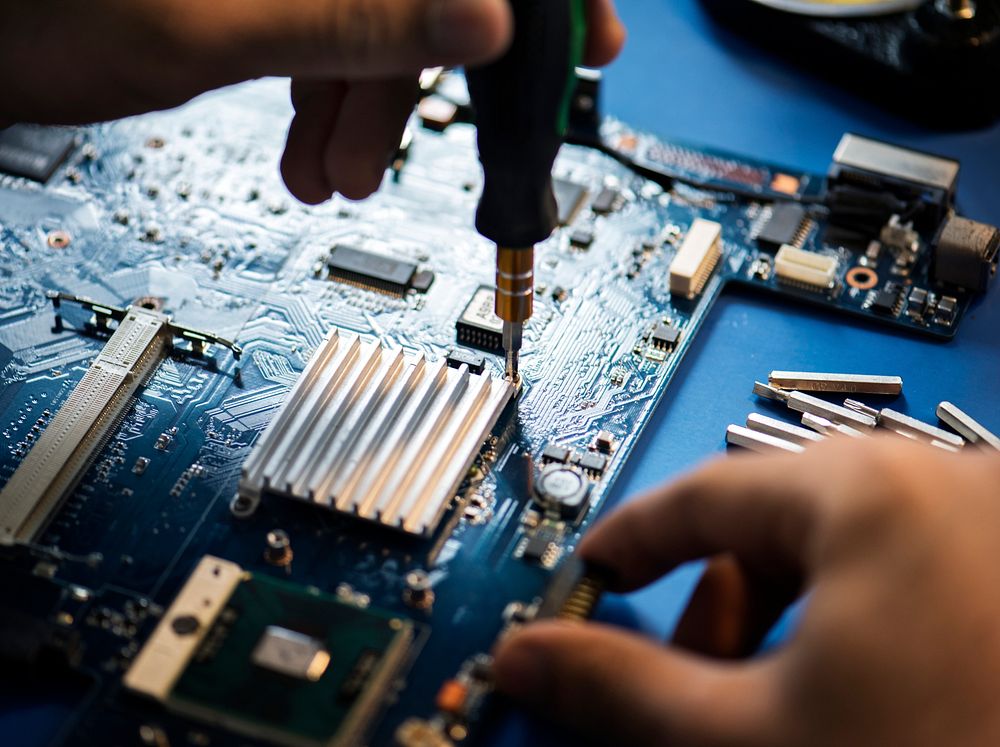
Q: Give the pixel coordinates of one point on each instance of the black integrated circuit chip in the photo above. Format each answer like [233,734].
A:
[665,336]
[461,357]
[537,546]
[592,462]
[783,226]
[34,152]
[479,326]
[555,453]
[376,270]
[888,300]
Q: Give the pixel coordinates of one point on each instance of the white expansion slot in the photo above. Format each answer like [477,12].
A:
[69,443]
[697,257]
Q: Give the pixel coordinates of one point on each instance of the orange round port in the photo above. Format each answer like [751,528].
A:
[59,239]
[862,278]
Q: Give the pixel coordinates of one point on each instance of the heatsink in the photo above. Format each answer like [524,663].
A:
[375,433]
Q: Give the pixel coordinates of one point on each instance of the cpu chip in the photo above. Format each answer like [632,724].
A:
[287,652]
[271,659]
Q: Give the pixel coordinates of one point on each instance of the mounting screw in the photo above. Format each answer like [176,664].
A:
[418,592]
[242,507]
[279,548]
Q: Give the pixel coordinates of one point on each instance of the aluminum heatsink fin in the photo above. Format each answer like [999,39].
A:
[372,432]
[69,443]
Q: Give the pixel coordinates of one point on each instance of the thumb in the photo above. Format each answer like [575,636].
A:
[344,38]
[619,688]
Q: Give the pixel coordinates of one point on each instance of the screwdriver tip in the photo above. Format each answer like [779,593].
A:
[512,364]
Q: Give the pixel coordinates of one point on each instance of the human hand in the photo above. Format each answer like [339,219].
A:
[353,64]
[896,544]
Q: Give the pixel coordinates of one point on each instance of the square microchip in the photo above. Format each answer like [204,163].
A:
[569,199]
[783,226]
[887,300]
[271,659]
[34,152]
[592,462]
[479,326]
[555,453]
[665,336]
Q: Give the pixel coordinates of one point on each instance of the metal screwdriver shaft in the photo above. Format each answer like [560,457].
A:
[514,292]
[522,105]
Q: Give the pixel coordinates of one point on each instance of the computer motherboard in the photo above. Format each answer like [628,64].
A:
[264,479]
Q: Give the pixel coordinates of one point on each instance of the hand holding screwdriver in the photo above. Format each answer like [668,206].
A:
[522,103]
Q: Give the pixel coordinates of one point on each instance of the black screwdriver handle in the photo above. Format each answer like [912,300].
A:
[522,103]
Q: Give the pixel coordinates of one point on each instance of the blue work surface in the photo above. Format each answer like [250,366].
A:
[684,79]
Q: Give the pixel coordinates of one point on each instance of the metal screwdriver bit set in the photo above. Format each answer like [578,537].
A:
[821,418]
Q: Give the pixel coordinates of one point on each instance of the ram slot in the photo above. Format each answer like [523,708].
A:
[68,445]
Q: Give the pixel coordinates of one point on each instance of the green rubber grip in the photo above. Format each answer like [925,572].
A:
[522,103]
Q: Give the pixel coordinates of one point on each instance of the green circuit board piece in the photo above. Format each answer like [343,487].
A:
[295,666]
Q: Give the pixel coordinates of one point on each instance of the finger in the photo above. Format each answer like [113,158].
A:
[605,33]
[624,689]
[342,38]
[731,610]
[317,106]
[367,132]
[761,508]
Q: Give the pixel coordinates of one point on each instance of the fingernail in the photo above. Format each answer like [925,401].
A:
[465,29]
[520,671]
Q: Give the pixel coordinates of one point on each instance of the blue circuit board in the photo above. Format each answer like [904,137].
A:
[184,212]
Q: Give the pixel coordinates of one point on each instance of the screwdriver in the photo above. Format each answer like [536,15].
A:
[522,102]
